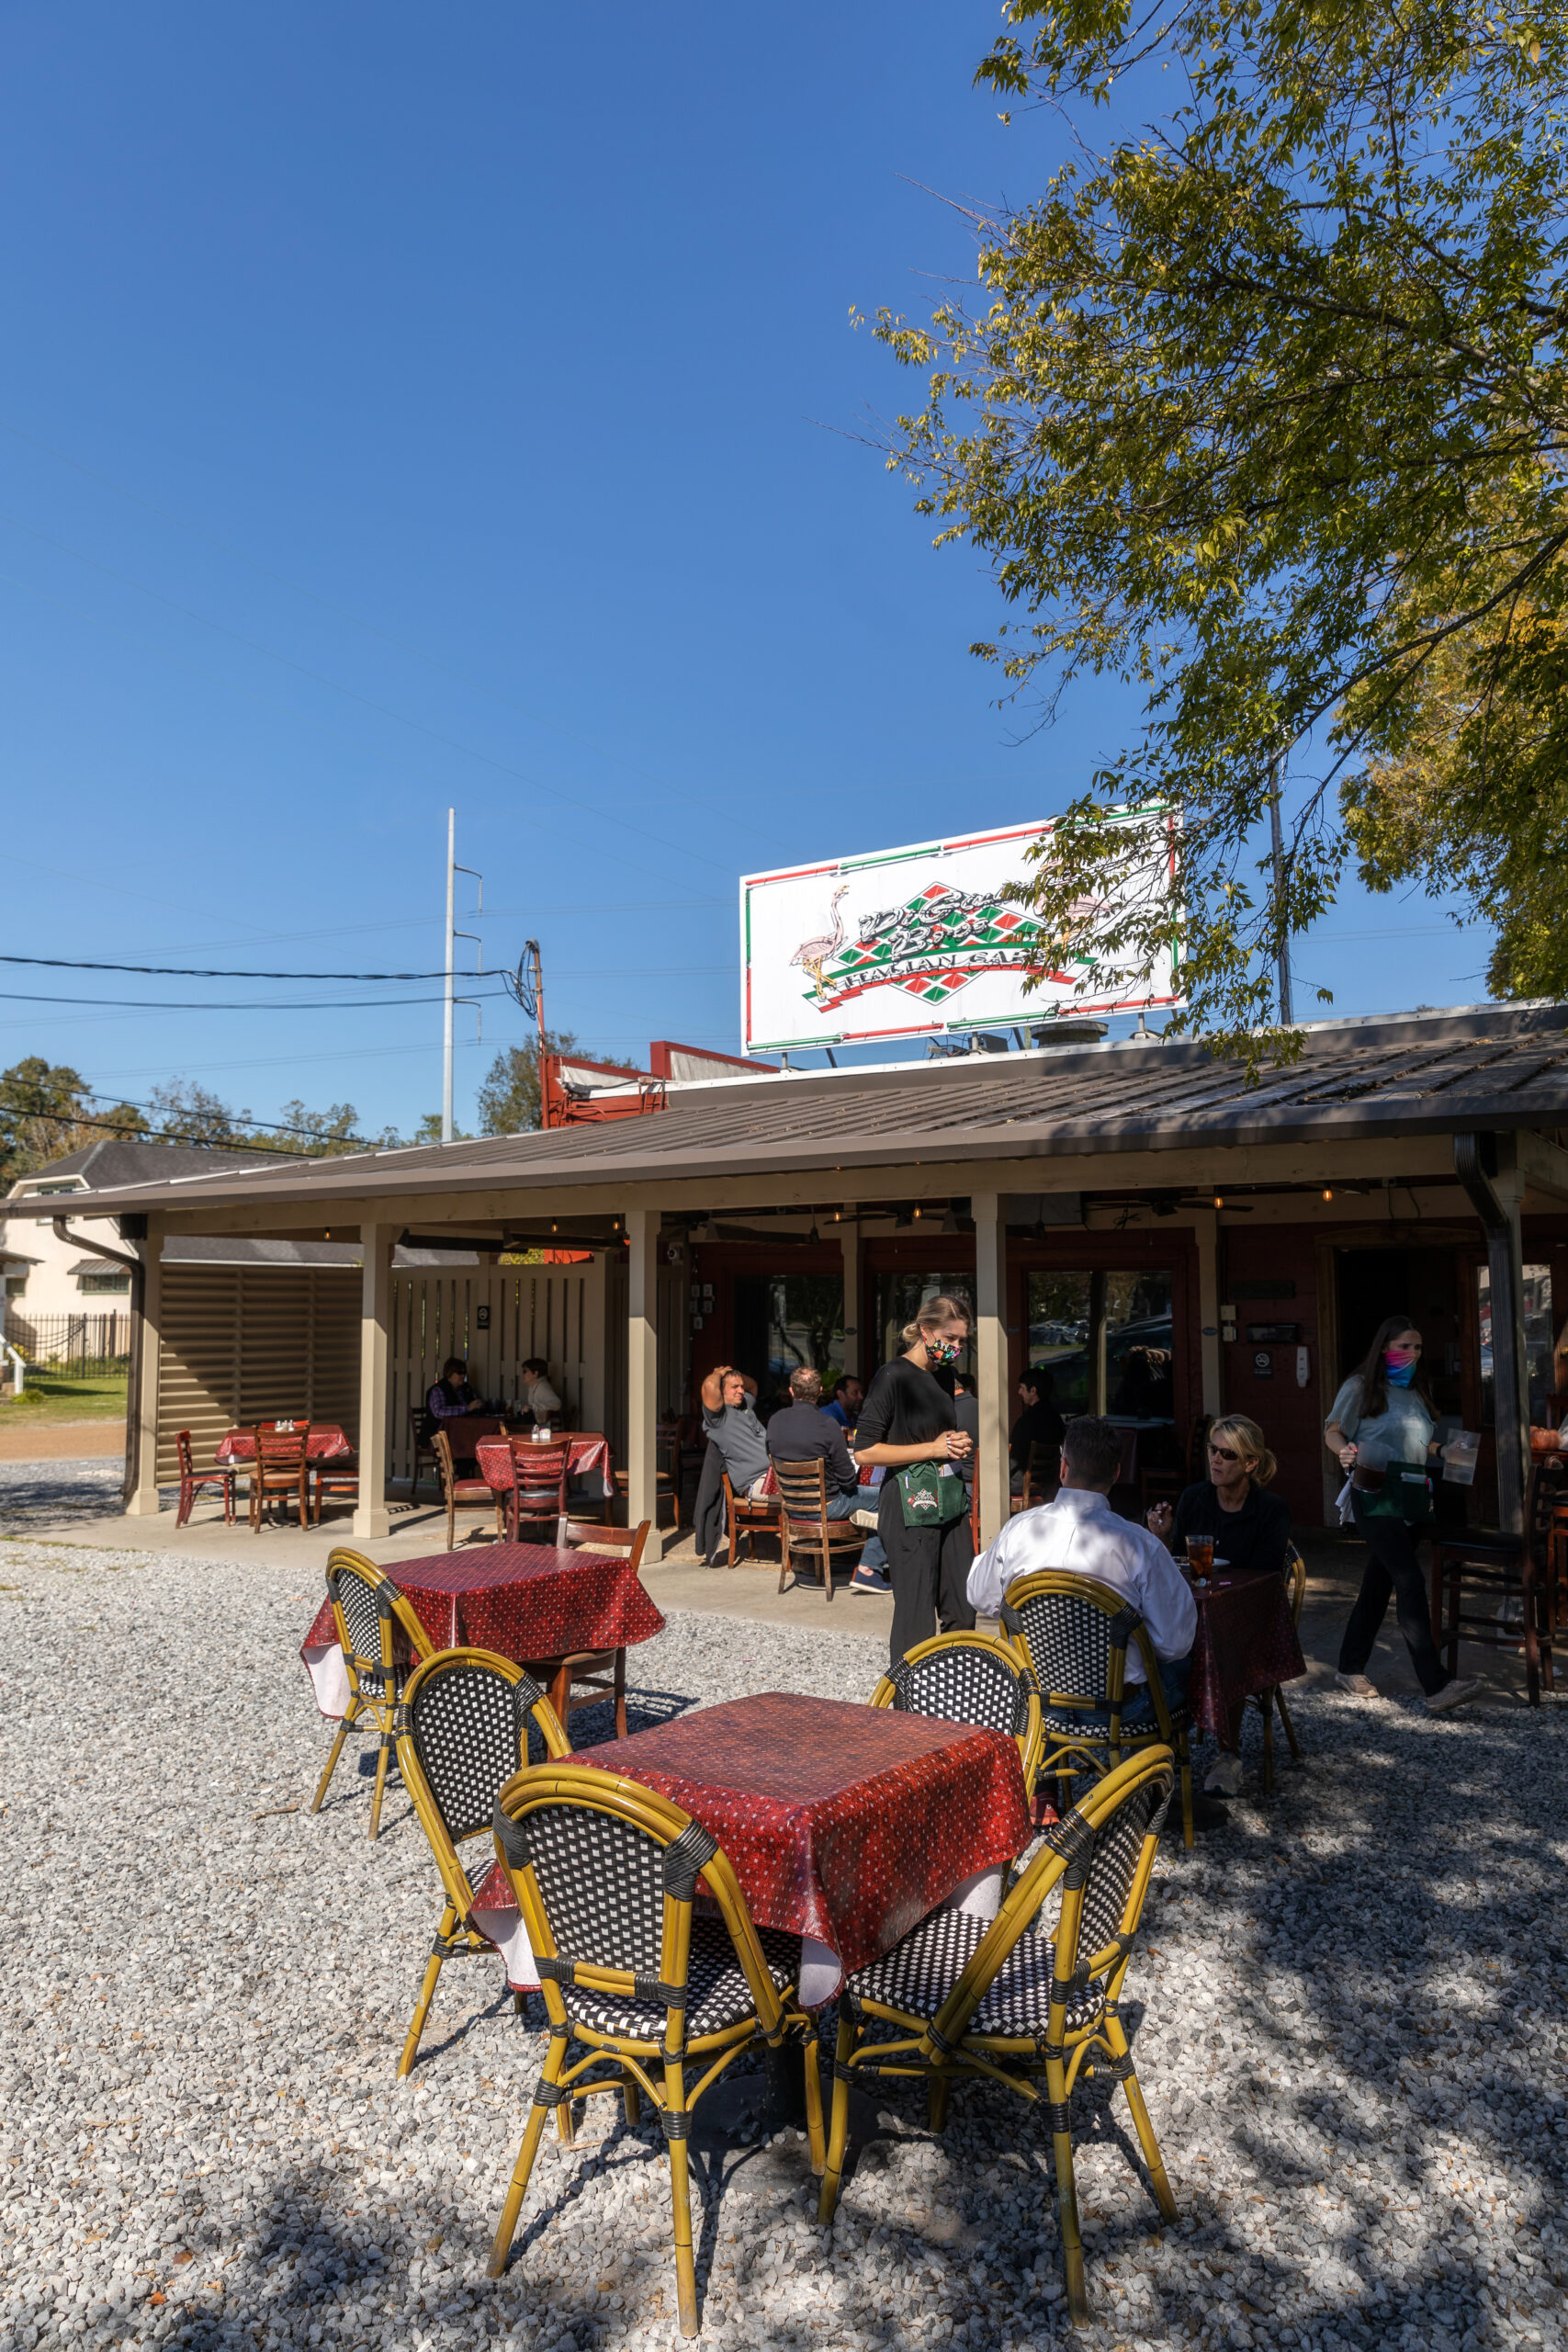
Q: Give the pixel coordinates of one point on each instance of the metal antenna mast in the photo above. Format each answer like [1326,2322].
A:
[452,870]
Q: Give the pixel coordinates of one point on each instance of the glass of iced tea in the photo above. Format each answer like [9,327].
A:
[1201,1553]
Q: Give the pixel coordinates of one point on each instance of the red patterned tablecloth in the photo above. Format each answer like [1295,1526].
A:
[1246,1641]
[526,1601]
[326,1443]
[589,1455]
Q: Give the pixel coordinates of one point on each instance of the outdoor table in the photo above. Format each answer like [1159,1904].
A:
[588,1457]
[1245,1642]
[845,1824]
[325,1444]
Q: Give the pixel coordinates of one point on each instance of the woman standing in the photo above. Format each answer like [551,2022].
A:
[1248,1527]
[1383,1414]
[908,1420]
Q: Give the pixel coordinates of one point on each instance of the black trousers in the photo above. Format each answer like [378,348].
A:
[928,1567]
[1393,1567]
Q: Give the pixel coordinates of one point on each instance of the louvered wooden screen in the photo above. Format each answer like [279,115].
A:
[241,1344]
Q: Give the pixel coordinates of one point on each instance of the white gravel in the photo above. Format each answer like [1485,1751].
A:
[1352,2043]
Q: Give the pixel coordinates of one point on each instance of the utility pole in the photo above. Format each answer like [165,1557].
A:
[1286,1013]
[452,870]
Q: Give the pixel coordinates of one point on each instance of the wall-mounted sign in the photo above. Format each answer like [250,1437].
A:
[481,1317]
[908,941]
[1278,1334]
[1262,1364]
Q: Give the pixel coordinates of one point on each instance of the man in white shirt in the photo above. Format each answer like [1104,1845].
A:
[1080,1532]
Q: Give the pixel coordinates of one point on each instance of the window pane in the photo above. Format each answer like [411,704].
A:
[1538,1341]
[806,1326]
[1127,1311]
[898,1299]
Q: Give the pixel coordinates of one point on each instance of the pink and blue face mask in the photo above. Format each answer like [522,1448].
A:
[943,1352]
[1399,1365]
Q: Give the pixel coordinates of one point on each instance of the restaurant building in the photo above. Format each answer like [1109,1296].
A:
[1159,1233]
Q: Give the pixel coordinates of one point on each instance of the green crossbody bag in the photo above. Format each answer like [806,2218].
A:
[928,1498]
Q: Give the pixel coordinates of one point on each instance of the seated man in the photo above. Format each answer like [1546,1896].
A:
[1080,1532]
[848,1398]
[450,1396]
[801,1432]
[1039,1424]
[729,1417]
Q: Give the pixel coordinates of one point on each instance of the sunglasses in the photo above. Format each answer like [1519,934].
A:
[1224,1453]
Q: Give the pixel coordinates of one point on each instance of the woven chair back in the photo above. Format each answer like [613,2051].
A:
[370,1611]
[962,1679]
[1125,1833]
[281,1449]
[474,1720]
[1075,1634]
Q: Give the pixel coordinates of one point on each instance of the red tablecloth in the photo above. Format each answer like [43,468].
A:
[589,1455]
[526,1601]
[1246,1641]
[327,1444]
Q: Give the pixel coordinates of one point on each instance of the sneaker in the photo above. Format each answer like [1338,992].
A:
[1357,1685]
[868,1580]
[1454,1694]
[1224,1777]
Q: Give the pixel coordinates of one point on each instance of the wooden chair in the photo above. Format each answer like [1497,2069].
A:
[423,1448]
[469,1720]
[1170,1485]
[597,1674]
[962,1998]
[372,1622]
[971,1678]
[1513,1576]
[744,1513]
[538,1482]
[605,1874]
[193,1480]
[665,1489]
[1267,1699]
[463,1491]
[1074,1632]
[339,1477]
[804,1523]
[281,1467]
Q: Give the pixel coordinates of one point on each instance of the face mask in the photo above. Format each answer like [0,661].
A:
[943,1352]
[1399,1376]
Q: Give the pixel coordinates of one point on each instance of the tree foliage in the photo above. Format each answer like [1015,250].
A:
[509,1098]
[47,1110]
[1265,416]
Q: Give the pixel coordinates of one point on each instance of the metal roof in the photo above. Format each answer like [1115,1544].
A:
[1497,1066]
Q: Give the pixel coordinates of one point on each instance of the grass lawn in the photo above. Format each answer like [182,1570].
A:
[68,1396]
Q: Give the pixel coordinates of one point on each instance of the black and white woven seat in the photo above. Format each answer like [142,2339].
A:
[468,1722]
[969,1679]
[605,1874]
[1074,1633]
[373,1623]
[1003,2002]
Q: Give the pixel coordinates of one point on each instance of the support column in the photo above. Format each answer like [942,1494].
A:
[642,1376]
[1207,1225]
[848,1243]
[1487,1166]
[145,1353]
[370,1514]
[991,1361]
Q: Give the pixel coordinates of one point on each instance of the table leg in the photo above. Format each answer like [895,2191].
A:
[620,1695]
[560,1699]
[785,2070]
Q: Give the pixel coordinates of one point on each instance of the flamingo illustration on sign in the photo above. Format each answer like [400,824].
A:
[812,953]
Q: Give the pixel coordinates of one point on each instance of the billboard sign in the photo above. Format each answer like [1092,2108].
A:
[904,942]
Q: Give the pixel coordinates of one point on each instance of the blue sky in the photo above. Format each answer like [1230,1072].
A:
[409,407]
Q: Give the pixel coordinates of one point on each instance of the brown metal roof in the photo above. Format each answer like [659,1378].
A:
[1408,1075]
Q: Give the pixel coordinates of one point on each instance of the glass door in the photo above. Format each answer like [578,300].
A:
[1101,1337]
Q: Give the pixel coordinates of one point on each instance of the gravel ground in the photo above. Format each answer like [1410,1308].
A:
[32,1492]
[1350,2010]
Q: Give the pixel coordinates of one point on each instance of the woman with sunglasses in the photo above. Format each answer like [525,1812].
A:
[1384,1413]
[1248,1527]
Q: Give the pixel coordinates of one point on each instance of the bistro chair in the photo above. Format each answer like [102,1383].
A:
[281,1467]
[587,1677]
[1512,1578]
[193,1480]
[605,1874]
[422,1447]
[970,1679]
[538,1482]
[1074,1632]
[339,1477]
[999,2003]
[804,1523]
[463,1491]
[1265,1701]
[666,1488]
[743,1514]
[469,1721]
[374,1621]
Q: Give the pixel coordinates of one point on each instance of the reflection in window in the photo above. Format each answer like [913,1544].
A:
[1539,1348]
[1104,1339]
[900,1296]
[806,1326]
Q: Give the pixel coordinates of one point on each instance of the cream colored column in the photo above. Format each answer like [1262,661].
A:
[144,1404]
[370,1514]
[642,1376]
[848,1243]
[991,1361]
[1207,1226]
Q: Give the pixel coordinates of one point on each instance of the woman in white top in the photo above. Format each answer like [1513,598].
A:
[539,1398]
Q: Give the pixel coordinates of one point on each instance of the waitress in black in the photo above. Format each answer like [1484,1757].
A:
[908,1416]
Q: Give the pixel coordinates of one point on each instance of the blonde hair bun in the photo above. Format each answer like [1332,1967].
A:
[934,1315]
[1260,1463]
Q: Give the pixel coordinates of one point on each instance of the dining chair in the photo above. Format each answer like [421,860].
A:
[804,1523]
[193,1480]
[1074,1632]
[605,1874]
[463,1491]
[422,1447]
[597,1675]
[964,1999]
[372,1622]
[469,1721]
[1509,1579]
[971,1678]
[1273,1696]
[538,1482]
[338,1476]
[743,1514]
[280,1468]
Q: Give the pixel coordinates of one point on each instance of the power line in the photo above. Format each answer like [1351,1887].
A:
[198,972]
[230,1143]
[293,1004]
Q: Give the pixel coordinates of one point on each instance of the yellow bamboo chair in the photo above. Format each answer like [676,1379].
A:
[1075,1631]
[1265,1701]
[605,1873]
[469,1721]
[369,1612]
[960,1998]
[971,1678]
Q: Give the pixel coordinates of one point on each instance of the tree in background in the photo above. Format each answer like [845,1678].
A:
[1266,417]
[46,1111]
[509,1098]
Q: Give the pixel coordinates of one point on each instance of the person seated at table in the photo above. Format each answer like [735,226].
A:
[801,1432]
[1249,1528]
[844,1404]
[736,1444]
[539,1398]
[1039,1424]
[450,1398]
[1080,1532]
